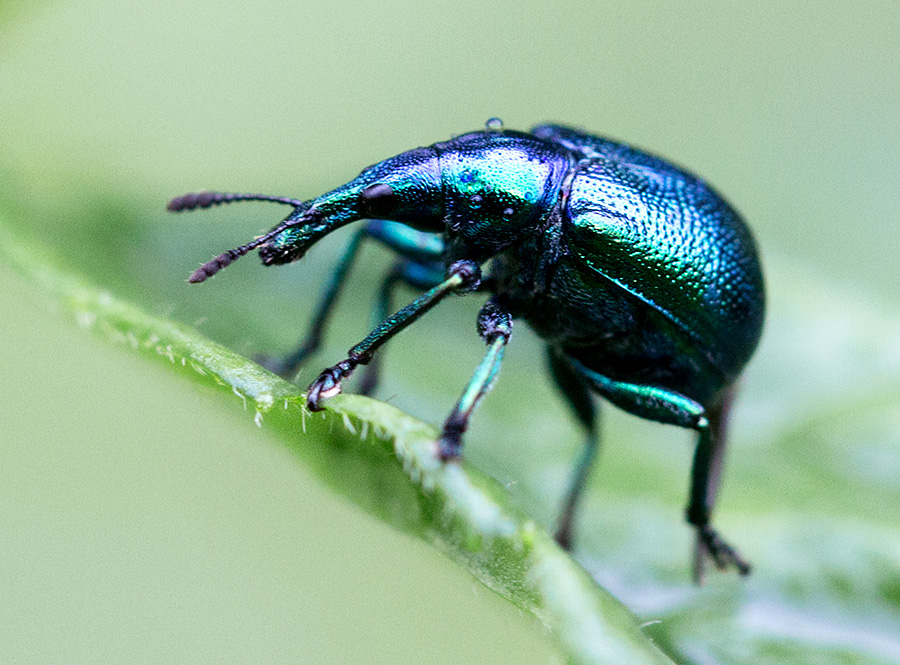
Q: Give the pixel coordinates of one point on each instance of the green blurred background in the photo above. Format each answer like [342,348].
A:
[141,521]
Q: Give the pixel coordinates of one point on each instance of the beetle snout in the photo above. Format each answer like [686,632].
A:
[288,246]
[273,256]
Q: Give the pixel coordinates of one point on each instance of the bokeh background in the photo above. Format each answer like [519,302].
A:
[141,521]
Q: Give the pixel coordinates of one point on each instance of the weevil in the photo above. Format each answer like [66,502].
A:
[642,280]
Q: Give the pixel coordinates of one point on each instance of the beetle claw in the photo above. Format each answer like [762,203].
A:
[449,448]
[286,366]
[722,554]
[563,537]
[274,364]
[328,384]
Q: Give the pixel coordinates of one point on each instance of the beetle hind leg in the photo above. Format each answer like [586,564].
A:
[372,374]
[576,392]
[705,476]
[671,408]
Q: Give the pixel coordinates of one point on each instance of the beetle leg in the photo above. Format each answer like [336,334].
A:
[421,268]
[462,276]
[415,245]
[495,328]
[287,366]
[419,246]
[705,476]
[418,275]
[671,408]
[576,392]
[371,375]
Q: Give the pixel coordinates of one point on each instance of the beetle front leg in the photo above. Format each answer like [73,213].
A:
[495,328]
[461,276]
[287,366]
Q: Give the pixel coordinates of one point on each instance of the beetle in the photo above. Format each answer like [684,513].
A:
[643,281]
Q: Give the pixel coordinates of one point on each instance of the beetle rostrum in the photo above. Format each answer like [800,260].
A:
[642,280]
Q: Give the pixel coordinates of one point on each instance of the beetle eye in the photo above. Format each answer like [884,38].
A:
[378,200]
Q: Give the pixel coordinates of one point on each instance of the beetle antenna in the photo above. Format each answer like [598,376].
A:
[210,268]
[208,199]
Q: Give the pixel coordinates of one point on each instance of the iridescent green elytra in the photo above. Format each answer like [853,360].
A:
[643,281]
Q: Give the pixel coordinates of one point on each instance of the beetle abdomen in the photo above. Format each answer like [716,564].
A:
[669,240]
[613,332]
[662,235]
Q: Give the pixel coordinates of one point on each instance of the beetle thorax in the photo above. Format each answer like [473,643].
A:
[496,188]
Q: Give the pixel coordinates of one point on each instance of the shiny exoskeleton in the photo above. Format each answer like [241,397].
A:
[643,281]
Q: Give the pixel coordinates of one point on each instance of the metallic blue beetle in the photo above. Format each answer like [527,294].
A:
[643,281]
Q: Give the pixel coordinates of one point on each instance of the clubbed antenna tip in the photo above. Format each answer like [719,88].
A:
[224,260]
[194,201]
[207,200]
[210,268]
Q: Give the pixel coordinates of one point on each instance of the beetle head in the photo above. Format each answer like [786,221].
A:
[405,188]
[497,186]
[485,189]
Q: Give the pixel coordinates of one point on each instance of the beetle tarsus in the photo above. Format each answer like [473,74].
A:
[563,536]
[284,366]
[450,446]
[722,554]
[469,272]
[328,384]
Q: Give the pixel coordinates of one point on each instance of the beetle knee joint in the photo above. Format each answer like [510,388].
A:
[450,443]
[493,322]
[697,516]
[469,272]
